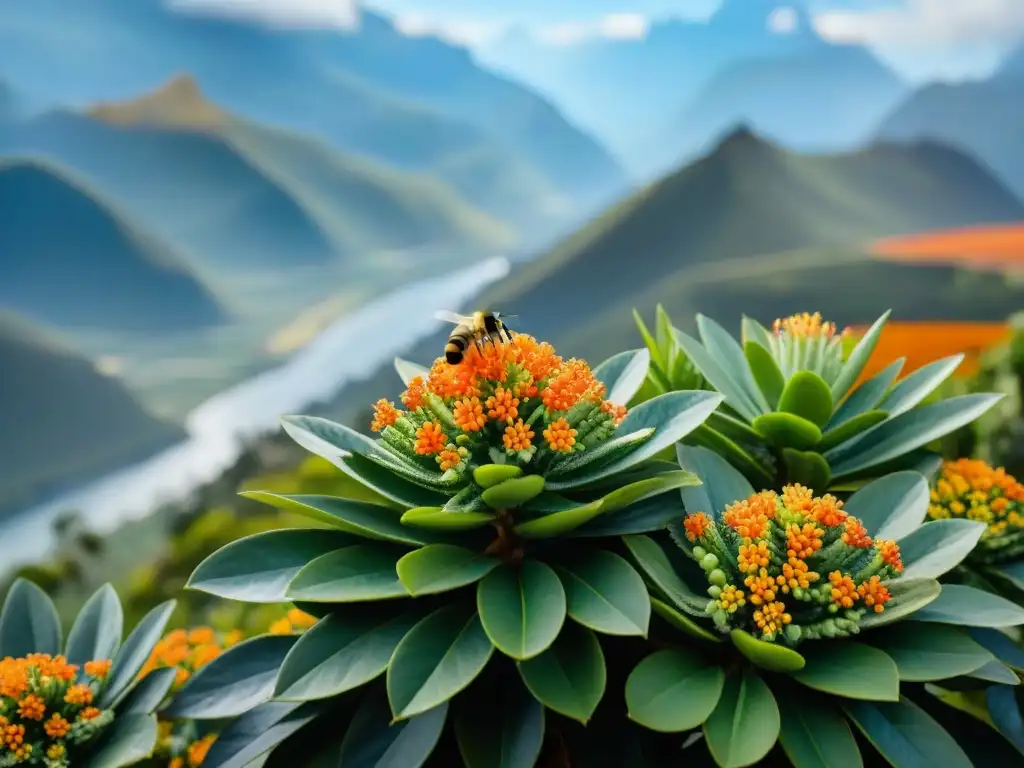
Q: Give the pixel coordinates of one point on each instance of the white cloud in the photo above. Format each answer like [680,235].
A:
[927,23]
[614,26]
[287,13]
[783,20]
[460,32]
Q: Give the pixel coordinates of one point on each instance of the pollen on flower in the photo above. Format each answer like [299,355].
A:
[430,439]
[560,436]
[518,436]
[384,414]
[469,414]
[502,406]
[695,525]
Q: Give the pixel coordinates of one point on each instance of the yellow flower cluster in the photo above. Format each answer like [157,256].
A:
[294,622]
[790,566]
[189,650]
[47,709]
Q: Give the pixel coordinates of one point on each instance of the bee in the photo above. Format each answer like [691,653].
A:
[478,328]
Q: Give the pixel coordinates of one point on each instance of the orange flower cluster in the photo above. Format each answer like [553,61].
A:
[195,753]
[46,708]
[188,651]
[502,395]
[293,622]
[790,565]
[806,326]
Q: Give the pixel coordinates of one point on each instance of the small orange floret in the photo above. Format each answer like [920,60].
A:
[761,586]
[617,412]
[569,386]
[448,459]
[430,439]
[57,727]
[78,695]
[412,398]
[695,525]
[805,326]
[796,573]
[89,713]
[469,414]
[772,618]
[560,436]
[753,556]
[802,542]
[874,594]
[828,511]
[537,359]
[300,618]
[890,552]
[797,498]
[197,750]
[281,627]
[32,707]
[384,415]
[844,590]
[55,751]
[503,406]
[99,668]
[518,436]
[750,517]
[855,534]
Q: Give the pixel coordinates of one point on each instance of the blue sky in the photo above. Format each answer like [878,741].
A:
[923,39]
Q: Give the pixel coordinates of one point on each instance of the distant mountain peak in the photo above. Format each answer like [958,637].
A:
[742,138]
[1013,64]
[178,103]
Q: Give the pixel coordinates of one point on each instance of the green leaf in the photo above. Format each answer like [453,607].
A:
[558,523]
[643,517]
[503,733]
[353,517]
[854,365]
[96,633]
[134,653]
[603,592]
[924,653]
[512,494]
[344,650]
[722,484]
[745,724]
[908,597]
[522,608]
[569,677]
[999,645]
[717,376]
[672,416]
[1006,715]
[654,564]
[681,621]
[258,568]
[28,622]
[766,371]
[787,430]
[905,735]
[960,604]
[238,680]
[901,435]
[815,735]
[435,660]
[641,490]
[850,429]
[148,693]
[751,468]
[407,371]
[913,389]
[129,739]
[751,330]
[487,475]
[728,353]
[808,468]
[443,567]
[852,670]
[939,546]
[372,742]
[665,335]
[673,690]
[867,396]
[623,374]
[774,658]
[257,732]
[350,575]
[995,672]
[650,342]
[891,506]
[437,519]
[564,473]
[807,395]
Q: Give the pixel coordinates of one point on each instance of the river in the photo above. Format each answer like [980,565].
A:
[352,348]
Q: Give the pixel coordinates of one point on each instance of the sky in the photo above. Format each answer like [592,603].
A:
[923,39]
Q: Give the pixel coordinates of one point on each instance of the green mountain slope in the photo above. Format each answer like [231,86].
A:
[60,420]
[239,195]
[747,198]
[70,259]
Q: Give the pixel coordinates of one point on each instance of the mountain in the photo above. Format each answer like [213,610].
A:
[829,98]
[650,79]
[985,118]
[10,102]
[61,420]
[409,102]
[722,220]
[236,194]
[69,259]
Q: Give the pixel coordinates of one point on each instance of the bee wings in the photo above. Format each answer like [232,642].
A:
[453,317]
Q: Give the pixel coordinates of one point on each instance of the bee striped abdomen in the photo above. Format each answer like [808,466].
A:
[457,344]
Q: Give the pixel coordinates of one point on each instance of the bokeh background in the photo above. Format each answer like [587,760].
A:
[215,212]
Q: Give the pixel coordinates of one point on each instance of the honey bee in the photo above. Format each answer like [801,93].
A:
[478,328]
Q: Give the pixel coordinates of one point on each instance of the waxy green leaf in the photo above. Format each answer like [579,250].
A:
[967,606]
[905,735]
[522,608]
[774,658]
[787,430]
[569,677]
[852,670]
[808,396]
[673,690]
[514,493]
[925,652]
[443,567]
[815,735]
[28,622]
[745,724]
[371,741]
[437,519]
[603,592]
[96,633]
[506,732]
[360,573]
[891,506]
[488,475]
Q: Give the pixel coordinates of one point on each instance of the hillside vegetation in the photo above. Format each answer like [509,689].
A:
[70,422]
[69,258]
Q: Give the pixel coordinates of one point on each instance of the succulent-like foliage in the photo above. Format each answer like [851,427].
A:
[483,563]
[794,413]
[822,614]
[77,703]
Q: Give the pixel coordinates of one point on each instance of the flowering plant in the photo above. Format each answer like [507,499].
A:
[79,703]
[792,412]
[499,491]
[789,580]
